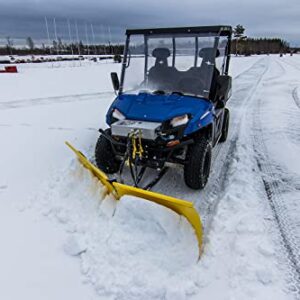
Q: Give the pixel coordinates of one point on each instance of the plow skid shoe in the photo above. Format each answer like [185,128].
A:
[181,207]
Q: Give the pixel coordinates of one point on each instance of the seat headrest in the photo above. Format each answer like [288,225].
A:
[161,53]
[205,52]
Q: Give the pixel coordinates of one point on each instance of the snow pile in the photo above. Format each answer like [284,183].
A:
[129,249]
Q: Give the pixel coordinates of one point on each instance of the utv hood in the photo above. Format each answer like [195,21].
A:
[158,108]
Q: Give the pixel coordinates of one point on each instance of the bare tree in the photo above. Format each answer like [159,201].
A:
[238,33]
[9,44]
[55,45]
[60,44]
[30,43]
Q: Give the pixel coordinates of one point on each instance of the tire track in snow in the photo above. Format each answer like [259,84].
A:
[273,187]
[51,100]
[276,187]
[296,96]
[292,126]
[247,70]
[239,103]
[219,146]
[292,65]
[288,242]
[291,130]
[276,76]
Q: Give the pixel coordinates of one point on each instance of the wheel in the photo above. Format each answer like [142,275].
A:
[225,126]
[104,155]
[197,168]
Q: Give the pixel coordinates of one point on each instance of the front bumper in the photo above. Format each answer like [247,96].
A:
[148,130]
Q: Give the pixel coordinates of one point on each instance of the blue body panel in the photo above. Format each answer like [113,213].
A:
[159,108]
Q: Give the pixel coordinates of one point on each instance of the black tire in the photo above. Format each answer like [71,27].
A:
[197,168]
[225,126]
[104,155]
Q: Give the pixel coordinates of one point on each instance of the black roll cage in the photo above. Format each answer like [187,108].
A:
[216,31]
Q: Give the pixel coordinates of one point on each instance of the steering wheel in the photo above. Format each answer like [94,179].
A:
[191,85]
[159,92]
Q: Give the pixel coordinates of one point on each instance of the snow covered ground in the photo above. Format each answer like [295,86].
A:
[62,239]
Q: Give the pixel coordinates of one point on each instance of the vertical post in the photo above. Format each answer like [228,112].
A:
[70,38]
[48,35]
[216,43]
[104,40]
[146,59]
[77,35]
[55,35]
[228,55]
[174,51]
[87,39]
[9,45]
[124,64]
[94,41]
[196,51]
[208,79]
[110,42]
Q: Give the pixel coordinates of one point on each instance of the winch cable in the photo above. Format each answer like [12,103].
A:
[125,159]
[141,174]
[122,167]
[130,163]
[134,153]
[158,177]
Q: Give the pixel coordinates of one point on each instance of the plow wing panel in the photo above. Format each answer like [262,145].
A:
[96,172]
[181,207]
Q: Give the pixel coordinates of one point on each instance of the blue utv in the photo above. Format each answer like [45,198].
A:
[171,103]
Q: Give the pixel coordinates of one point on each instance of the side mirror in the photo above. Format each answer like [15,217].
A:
[115,81]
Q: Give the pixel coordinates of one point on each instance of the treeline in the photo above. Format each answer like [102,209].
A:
[250,46]
[247,46]
[64,49]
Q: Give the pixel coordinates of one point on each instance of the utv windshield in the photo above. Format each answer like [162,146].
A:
[172,64]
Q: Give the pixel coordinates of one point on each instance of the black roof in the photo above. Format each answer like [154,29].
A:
[222,30]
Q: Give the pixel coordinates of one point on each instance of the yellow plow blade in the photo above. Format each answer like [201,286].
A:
[96,172]
[181,207]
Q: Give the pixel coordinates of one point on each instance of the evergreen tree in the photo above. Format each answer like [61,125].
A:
[238,31]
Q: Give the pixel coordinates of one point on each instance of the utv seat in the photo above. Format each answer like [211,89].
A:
[210,55]
[199,74]
[161,76]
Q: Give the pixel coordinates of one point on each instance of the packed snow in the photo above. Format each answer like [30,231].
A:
[64,238]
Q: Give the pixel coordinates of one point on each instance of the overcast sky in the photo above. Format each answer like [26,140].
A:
[22,18]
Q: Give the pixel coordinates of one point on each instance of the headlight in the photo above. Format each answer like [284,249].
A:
[178,121]
[118,115]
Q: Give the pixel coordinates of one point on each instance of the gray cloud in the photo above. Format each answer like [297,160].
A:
[260,17]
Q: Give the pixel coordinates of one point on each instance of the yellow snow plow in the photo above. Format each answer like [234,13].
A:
[181,207]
